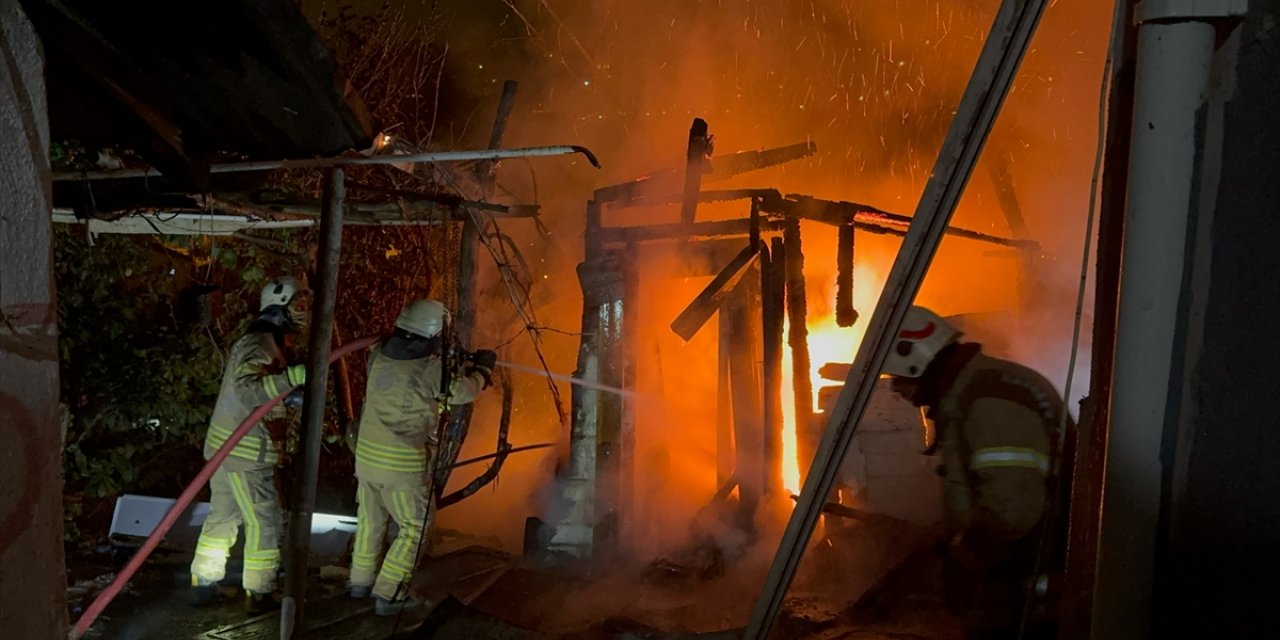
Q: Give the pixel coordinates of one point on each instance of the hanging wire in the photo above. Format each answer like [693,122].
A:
[1099,146]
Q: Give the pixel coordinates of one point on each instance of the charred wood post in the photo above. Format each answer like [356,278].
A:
[695,159]
[616,449]
[746,385]
[589,498]
[846,315]
[807,433]
[773,310]
[724,399]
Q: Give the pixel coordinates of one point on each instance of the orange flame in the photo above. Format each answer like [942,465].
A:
[828,342]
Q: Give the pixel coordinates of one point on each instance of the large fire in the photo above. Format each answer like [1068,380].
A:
[828,342]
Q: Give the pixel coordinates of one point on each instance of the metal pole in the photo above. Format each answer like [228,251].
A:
[318,344]
[1006,44]
[1176,44]
[490,155]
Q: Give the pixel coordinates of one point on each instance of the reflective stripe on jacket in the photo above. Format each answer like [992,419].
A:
[995,423]
[400,413]
[249,380]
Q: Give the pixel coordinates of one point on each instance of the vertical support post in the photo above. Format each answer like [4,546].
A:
[32,568]
[1090,462]
[846,315]
[798,342]
[1002,53]
[695,159]
[574,533]
[629,341]
[611,299]
[773,309]
[319,340]
[1175,55]
[745,380]
[724,397]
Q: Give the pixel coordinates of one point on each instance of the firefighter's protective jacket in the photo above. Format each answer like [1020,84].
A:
[400,414]
[255,372]
[995,422]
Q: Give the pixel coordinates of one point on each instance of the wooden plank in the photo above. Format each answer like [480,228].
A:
[746,342]
[695,162]
[772,311]
[846,315]
[707,302]
[728,166]
[724,398]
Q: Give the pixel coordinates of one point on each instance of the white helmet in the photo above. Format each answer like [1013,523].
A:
[279,292]
[923,334]
[426,318]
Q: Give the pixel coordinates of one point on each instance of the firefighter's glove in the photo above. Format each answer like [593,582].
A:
[295,398]
[297,374]
[483,362]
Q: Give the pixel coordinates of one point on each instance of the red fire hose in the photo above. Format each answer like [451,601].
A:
[189,494]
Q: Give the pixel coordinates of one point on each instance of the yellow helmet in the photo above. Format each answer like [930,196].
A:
[426,318]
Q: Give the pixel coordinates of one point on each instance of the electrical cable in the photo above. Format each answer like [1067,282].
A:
[1104,91]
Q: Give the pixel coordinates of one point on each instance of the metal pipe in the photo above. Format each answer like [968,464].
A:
[1176,42]
[1006,44]
[304,493]
[490,155]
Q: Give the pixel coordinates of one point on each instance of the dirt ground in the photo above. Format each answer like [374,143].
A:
[565,602]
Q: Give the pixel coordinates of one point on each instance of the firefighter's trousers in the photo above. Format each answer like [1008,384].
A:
[241,492]
[402,497]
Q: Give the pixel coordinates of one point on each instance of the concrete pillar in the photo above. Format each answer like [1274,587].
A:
[32,568]
[1175,54]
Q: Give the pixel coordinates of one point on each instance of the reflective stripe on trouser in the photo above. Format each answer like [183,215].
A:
[247,496]
[405,502]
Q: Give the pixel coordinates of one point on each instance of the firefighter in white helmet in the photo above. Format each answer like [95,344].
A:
[243,488]
[996,422]
[404,398]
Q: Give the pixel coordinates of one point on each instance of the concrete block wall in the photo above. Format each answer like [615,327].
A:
[885,470]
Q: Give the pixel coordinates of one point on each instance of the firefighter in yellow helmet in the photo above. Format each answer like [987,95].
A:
[404,398]
[995,422]
[243,488]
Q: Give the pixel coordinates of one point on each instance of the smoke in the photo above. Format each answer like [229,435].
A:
[874,85]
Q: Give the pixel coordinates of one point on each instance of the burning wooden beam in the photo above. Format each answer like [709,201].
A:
[846,315]
[725,167]
[695,161]
[746,384]
[773,310]
[687,324]
[659,185]
[798,340]
[724,399]
[686,232]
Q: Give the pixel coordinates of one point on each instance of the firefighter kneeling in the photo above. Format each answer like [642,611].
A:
[405,396]
[996,423]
